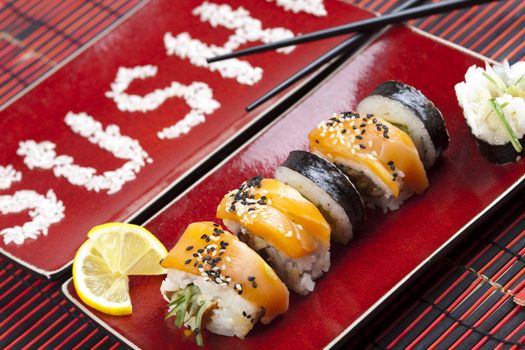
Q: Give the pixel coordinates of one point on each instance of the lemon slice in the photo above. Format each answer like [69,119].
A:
[103,263]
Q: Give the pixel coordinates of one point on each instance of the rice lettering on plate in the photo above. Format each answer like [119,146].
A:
[46,210]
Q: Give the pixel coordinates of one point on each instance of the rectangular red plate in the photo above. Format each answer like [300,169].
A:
[388,247]
[94,125]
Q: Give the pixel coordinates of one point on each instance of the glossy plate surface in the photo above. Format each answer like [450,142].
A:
[81,87]
[387,248]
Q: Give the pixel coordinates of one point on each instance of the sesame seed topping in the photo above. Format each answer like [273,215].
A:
[190,247]
[187,261]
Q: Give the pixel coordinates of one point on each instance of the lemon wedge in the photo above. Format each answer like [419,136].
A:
[103,263]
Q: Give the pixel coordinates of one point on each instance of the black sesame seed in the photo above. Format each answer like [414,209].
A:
[354,127]
[386,136]
[343,131]
[374,120]
[195,255]
[362,146]
[200,250]
[251,278]
[359,137]
[362,125]
[244,313]
[363,131]
[316,141]
[216,225]
[190,247]
[204,236]
[187,261]
[254,285]
[369,115]
[390,162]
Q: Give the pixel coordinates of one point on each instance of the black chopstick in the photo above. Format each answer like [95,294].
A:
[364,25]
[345,47]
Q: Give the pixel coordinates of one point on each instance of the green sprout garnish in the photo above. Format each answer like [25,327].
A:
[402,127]
[519,80]
[188,307]
[514,89]
[498,84]
[513,138]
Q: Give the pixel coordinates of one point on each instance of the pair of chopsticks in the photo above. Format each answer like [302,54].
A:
[400,14]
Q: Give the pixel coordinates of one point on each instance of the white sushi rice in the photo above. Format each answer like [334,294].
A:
[342,229]
[227,318]
[477,90]
[297,274]
[397,113]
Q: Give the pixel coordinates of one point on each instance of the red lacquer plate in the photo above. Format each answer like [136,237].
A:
[388,249]
[62,161]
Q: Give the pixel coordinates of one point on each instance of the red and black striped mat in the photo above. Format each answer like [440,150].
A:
[468,306]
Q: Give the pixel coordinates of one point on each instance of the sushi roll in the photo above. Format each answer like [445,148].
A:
[283,227]
[380,159]
[407,108]
[323,184]
[216,281]
[493,102]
